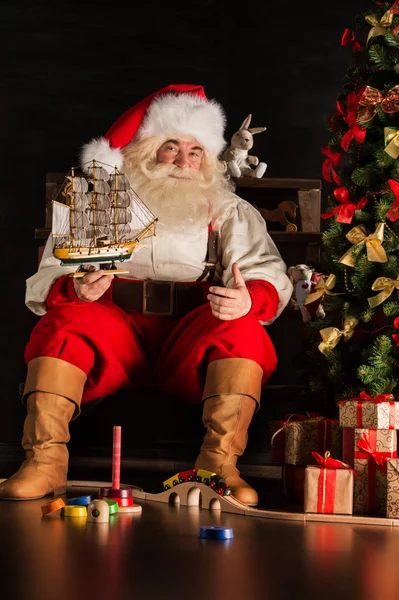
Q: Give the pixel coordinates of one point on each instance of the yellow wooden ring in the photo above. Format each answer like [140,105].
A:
[74,511]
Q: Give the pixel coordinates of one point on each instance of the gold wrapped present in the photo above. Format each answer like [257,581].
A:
[328,486]
[374,448]
[366,412]
[316,434]
[393,488]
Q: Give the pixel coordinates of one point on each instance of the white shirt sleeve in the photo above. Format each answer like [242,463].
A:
[244,240]
[38,285]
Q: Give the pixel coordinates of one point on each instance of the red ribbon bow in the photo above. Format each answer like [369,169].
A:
[330,463]
[364,444]
[348,37]
[395,8]
[347,209]
[377,399]
[354,131]
[333,159]
[393,213]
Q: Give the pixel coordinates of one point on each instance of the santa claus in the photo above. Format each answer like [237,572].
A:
[188,317]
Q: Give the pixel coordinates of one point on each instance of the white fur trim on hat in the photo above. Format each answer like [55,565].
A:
[100,150]
[189,114]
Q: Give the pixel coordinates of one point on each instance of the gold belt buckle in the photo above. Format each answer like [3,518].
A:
[158,297]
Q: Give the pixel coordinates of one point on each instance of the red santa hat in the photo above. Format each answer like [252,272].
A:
[177,108]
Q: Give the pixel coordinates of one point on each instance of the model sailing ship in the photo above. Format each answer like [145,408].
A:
[102,219]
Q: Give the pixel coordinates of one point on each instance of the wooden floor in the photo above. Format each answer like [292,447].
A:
[159,555]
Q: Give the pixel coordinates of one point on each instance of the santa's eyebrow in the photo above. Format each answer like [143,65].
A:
[177,143]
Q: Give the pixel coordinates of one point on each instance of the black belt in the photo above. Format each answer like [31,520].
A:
[159,297]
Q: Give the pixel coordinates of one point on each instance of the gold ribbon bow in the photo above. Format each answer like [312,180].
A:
[323,286]
[387,286]
[375,251]
[379,25]
[332,335]
[371,98]
[391,138]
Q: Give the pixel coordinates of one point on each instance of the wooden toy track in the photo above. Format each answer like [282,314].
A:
[198,494]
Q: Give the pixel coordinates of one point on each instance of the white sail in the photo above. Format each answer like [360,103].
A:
[61,223]
[97,173]
[101,187]
[80,220]
[99,217]
[124,199]
[103,202]
[80,201]
[80,185]
[99,231]
[119,182]
[122,215]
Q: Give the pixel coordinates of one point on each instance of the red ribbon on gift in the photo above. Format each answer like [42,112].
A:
[368,444]
[328,481]
[333,159]
[346,209]
[354,131]
[393,212]
[395,8]
[363,397]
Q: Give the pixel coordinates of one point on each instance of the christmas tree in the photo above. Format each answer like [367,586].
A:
[355,347]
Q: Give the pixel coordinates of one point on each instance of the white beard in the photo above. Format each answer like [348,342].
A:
[174,196]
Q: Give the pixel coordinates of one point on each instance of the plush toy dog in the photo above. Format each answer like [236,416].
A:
[304,281]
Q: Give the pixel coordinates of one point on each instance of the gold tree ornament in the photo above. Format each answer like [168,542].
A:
[391,139]
[380,26]
[323,286]
[332,335]
[375,250]
[387,286]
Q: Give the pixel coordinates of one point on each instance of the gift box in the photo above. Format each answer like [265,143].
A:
[311,435]
[350,436]
[294,482]
[277,434]
[374,448]
[393,488]
[366,412]
[328,487]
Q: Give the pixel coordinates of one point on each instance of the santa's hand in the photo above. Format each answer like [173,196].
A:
[93,285]
[230,303]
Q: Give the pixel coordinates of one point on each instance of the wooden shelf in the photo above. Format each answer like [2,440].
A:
[265,182]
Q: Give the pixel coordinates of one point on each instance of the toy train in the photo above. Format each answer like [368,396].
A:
[214,481]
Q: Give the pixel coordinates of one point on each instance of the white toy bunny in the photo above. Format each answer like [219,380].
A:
[236,156]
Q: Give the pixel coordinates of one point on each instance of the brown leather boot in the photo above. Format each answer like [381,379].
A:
[53,392]
[231,395]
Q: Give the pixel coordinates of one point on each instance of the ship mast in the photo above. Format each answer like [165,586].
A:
[72,210]
[115,195]
[94,203]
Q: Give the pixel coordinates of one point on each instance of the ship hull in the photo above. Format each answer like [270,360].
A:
[83,254]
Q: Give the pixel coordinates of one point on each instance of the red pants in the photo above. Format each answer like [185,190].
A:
[120,350]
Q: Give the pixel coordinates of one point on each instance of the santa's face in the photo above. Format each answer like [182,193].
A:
[183,154]
[173,185]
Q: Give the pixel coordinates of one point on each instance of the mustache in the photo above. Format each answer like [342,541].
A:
[163,170]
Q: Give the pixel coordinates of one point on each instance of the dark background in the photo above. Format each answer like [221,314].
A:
[69,70]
